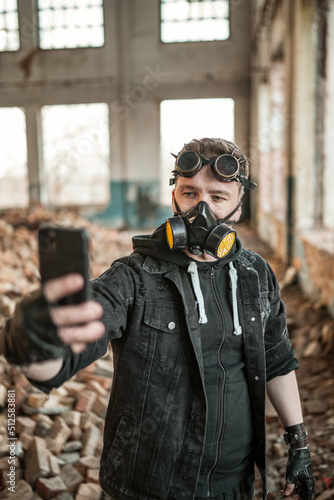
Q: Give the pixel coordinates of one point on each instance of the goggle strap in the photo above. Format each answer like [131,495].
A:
[247,184]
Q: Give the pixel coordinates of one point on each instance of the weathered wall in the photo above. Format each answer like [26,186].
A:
[292,137]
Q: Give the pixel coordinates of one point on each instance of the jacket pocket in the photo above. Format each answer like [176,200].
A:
[120,452]
[163,333]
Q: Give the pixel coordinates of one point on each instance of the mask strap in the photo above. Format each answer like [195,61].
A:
[179,211]
[226,219]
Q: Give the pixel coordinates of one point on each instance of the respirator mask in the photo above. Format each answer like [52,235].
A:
[199,229]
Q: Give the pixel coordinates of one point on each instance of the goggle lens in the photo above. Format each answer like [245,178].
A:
[188,162]
[226,166]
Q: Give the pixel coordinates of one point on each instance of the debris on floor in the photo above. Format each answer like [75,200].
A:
[59,436]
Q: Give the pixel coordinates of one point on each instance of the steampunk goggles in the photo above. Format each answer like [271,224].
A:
[226,167]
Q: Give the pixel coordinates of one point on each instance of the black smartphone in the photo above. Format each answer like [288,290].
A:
[64,250]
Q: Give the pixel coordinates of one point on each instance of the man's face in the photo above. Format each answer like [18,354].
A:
[222,197]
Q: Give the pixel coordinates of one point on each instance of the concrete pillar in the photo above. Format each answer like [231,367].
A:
[35,155]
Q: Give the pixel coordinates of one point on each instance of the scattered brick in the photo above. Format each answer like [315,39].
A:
[76,433]
[100,406]
[71,477]
[90,440]
[68,458]
[71,446]
[86,377]
[86,463]
[54,465]
[36,461]
[95,386]
[90,418]
[58,435]
[36,400]
[26,425]
[50,487]
[72,418]
[92,476]
[85,401]
[64,496]
[73,388]
[88,491]
[25,439]
[43,425]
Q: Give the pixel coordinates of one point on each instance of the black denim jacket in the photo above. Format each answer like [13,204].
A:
[156,418]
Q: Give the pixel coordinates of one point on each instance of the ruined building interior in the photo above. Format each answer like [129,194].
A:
[96,94]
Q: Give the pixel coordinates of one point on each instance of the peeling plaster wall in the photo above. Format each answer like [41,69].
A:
[298,37]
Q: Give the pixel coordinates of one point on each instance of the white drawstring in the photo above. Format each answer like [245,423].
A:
[192,269]
[234,281]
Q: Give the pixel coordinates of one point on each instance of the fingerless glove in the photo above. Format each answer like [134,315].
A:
[31,335]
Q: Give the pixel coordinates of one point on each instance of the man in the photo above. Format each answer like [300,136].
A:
[199,336]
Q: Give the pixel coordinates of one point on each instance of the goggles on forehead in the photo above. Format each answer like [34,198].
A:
[226,167]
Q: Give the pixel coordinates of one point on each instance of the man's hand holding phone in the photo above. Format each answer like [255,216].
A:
[77,324]
[60,318]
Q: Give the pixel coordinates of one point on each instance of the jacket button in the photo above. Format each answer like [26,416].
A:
[171,325]
[253,319]
[256,377]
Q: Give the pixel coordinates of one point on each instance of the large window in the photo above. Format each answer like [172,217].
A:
[76,154]
[68,24]
[218,121]
[194,20]
[9,26]
[13,159]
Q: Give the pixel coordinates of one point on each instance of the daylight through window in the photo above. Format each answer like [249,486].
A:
[68,24]
[194,20]
[9,26]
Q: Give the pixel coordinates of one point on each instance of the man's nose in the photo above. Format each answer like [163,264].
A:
[204,197]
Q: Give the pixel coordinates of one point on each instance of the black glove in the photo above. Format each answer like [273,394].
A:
[31,334]
[299,471]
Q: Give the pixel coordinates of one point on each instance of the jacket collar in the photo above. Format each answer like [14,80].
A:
[155,266]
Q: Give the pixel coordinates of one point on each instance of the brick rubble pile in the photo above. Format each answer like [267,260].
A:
[59,436]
